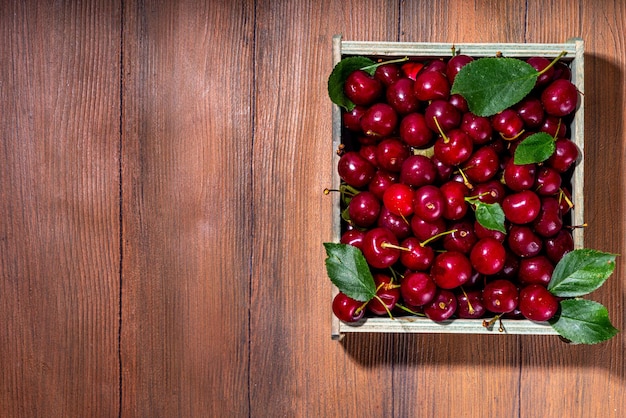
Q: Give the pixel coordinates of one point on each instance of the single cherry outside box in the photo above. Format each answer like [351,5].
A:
[574,49]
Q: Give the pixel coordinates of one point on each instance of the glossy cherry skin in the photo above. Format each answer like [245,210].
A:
[519,177]
[374,248]
[523,241]
[559,245]
[470,305]
[414,131]
[419,257]
[548,182]
[398,225]
[442,307]
[387,292]
[451,269]
[429,202]
[388,73]
[560,98]
[424,230]
[391,154]
[352,118]
[535,270]
[364,209]
[550,221]
[565,155]
[482,165]
[379,120]
[353,237]
[521,207]
[400,96]
[417,288]
[500,296]
[530,110]
[362,89]
[355,170]
[540,64]
[491,191]
[461,238]
[508,123]
[483,232]
[417,171]
[380,181]
[488,256]
[455,64]
[448,117]
[537,303]
[399,198]
[431,85]
[456,206]
[346,308]
[477,127]
[454,148]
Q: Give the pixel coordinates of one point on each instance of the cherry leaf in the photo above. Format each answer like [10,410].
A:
[490,215]
[490,85]
[580,272]
[338,77]
[348,270]
[583,322]
[535,148]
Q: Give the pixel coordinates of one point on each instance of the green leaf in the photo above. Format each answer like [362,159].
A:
[580,272]
[348,270]
[338,77]
[490,85]
[583,322]
[491,216]
[534,149]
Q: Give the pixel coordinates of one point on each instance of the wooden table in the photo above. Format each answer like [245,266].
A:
[161,175]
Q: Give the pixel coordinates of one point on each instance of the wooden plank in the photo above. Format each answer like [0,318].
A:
[59,230]
[558,373]
[296,370]
[187,139]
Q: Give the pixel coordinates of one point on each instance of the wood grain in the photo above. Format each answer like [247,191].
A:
[187,139]
[59,229]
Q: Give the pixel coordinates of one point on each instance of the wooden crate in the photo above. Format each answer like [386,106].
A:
[388,50]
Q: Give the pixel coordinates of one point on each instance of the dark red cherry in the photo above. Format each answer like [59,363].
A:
[442,307]
[417,288]
[559,245]
[448,117]
[424,230]
[352,118]
[537,303]
[540,64]
[353,237]
[451,269]
[483,232]
[431,85]
[470,304]
[347,309]
[519,177]
[535,270]
[550,221]
[429,202]
[455,193]
[399,199]
[418,170]
[482,165]
[362,89]
[364,209]
[521,207]
[461,238]
[419,257]
[454,148]
[398,225]
[391,154]
[560,98]
[477,127]
[381,180]
[379,120]
[380,248]
[565,155]
[530,110]
[553,126]
[400,96]
[491,191]
[414,131]
[355,170]
[508,123]
[488,256]
[388,73]
[500,296]
[455,64]
[523,241]
[548,182]
[388,295]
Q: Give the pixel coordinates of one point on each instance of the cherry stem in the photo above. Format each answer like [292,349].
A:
[513,138]
[412,312]
[384,306]
[439,235]
[443,135]
[466,180]
[395,247]
[360,308]
[554,61]
[492,321]
[470,308]
[368,68]
[567,199]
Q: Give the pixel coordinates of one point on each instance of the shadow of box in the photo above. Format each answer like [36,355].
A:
[403,323]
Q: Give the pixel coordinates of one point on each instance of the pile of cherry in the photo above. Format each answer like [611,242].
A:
[413,163]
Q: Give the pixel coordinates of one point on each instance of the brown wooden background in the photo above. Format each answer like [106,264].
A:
[162,217]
